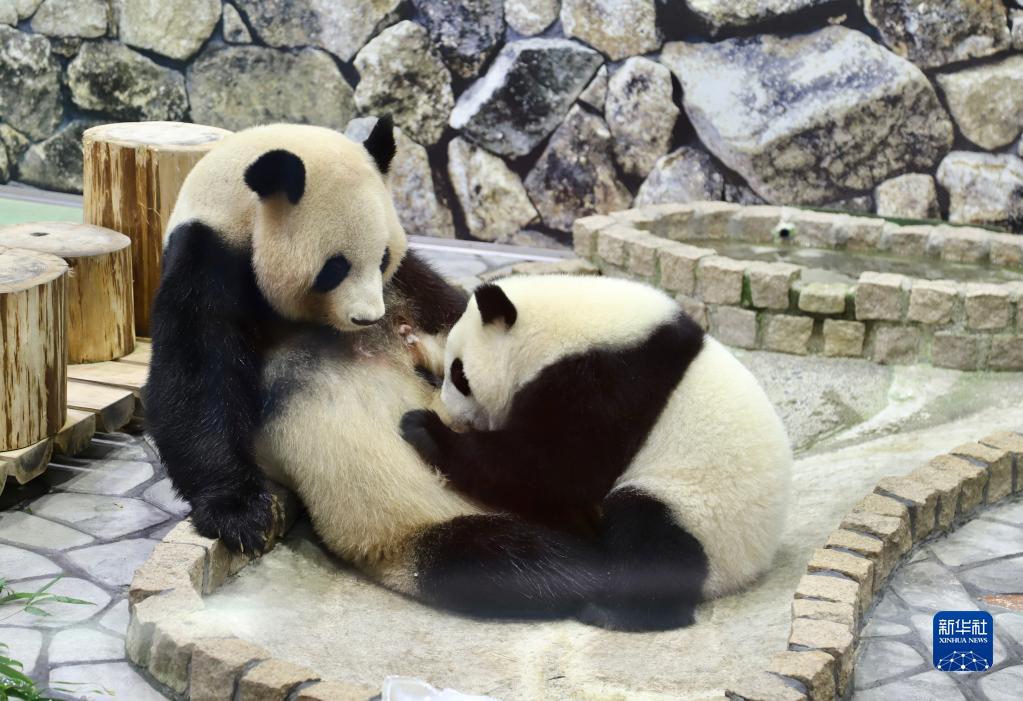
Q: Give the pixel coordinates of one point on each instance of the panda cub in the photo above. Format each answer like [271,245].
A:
[573,391]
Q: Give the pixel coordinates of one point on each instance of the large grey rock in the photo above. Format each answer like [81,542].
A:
[30,88]
[983,188]
[492,196]
[111,78]
[8,13]
[618,28]
[71,18]
[595,94]
[640,113]
[529,17]
[412,186]
[175,29]
[987,101]
[56,163]
[807,119]
[1017,29]
[932,34]
[25,8]
[466,33]
[685,175]
[575,174]
[5,166]
[239,86]
[13,142]
[740,13]
[909,196]
[525,95]
[235,31]
[342,28]
[402,76]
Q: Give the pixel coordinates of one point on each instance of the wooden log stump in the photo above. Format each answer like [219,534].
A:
[133,173]
[101,322]
[33,347]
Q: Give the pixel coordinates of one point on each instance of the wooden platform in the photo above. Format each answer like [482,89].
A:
[100,397]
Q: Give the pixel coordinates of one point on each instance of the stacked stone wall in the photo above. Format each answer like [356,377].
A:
[520,116]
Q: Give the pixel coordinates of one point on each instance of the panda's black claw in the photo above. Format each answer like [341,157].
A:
[244,523]
[421,429]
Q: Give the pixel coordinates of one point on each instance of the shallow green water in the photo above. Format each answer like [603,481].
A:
[14,211]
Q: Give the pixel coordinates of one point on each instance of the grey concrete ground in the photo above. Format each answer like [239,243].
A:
[960,572]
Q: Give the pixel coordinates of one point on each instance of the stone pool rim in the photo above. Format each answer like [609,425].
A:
[888,318]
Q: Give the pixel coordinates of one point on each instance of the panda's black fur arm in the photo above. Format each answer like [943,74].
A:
[202,397]
[572,431]
[436,303]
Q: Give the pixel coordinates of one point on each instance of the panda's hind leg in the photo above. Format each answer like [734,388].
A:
[501,566]
[655,569]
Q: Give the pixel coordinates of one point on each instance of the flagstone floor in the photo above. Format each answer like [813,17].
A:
[979,566]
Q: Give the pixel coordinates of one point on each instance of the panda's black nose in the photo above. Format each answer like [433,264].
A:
[365,322]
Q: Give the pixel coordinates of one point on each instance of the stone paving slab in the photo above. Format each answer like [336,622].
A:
[99,515]
[31,531]
[110,477]
[117,680]
[84,645]
[894,659]
[16,563]
[113,564]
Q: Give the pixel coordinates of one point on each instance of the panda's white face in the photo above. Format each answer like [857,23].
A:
[326,236]
[514,329]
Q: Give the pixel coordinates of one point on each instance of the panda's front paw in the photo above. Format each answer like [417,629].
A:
[424,431]
[244,522]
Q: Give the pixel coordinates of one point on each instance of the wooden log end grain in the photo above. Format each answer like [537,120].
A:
[101,322]
[33,347]
[133,173]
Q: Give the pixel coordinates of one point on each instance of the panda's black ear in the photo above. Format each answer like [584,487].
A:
[494,305]
[380,144]
[277,171]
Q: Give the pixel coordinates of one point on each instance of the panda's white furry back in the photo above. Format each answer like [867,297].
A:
[591,388]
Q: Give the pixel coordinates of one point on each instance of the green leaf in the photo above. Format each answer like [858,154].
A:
[36,611]
[69,600]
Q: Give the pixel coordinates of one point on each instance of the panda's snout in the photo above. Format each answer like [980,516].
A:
[365,322]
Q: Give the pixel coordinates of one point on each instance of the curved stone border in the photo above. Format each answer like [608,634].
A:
[182,569]
[843,578]
[887,318]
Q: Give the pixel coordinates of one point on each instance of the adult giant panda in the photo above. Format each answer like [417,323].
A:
[274,350]
[580,390]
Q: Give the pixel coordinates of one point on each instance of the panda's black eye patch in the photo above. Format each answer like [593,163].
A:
[458,378]
[386,261]
[332,274]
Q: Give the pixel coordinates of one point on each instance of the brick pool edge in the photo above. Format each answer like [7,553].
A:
[885,317]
